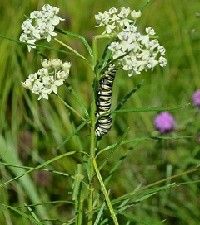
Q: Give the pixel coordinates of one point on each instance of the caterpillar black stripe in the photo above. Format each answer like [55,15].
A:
[104,101]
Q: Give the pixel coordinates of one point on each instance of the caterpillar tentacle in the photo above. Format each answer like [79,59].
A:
[104,102]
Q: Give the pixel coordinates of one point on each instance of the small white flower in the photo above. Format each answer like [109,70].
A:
[102,18]
[59,82]
[47,79]
[124,22]
[162,61]
[109,28]
[161,49]
[56,63]
[40,25]
[150,31]
[124,13]
[45,63]
[136,14]
[116,19]
[112,10]
[66,67]
[137,52]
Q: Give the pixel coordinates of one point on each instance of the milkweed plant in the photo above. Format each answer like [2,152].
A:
[127,49]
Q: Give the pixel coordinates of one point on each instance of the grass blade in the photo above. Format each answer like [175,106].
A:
[9,155]
[109,204]
[22,214]
[38,167]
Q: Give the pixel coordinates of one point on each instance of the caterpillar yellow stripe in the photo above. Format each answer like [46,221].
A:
[104,101]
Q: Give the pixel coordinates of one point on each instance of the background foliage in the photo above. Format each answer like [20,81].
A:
[31,131]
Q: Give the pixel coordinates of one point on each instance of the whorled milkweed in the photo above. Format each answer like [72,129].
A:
[104,101]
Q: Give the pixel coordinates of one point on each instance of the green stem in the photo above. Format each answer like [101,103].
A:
[93,140]
[80,208]
[90,208]
[93,145]
[77,195]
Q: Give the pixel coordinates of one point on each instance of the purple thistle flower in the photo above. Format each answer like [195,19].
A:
[196,98]
[164,122]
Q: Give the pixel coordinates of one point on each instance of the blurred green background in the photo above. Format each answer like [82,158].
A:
[31,131]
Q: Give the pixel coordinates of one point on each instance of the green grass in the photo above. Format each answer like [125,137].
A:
[32,132]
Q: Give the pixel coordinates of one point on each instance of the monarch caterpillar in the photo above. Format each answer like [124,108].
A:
[104,101]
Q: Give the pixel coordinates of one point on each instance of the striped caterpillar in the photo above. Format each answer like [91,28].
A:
[104,101]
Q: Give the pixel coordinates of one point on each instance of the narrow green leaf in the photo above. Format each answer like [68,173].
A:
[115,145]
[38,167]
[22,214]
[142,194]
[152,109]
[77,181]
[127,96]
[103,63]
[48,203]
[33,215]
[71,34]
[37,45]
[137,140]
[72,109]
[103,188]
[28,168]
[72,135]
[77,194]
[99,215]
[105,221]
[9,155]
[75,52]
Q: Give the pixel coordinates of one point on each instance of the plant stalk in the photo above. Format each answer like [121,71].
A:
[93,146]
[93,139]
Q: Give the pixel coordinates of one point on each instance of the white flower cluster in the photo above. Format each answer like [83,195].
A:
[46,81]
[116,19]
[136,52]
[40,25]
